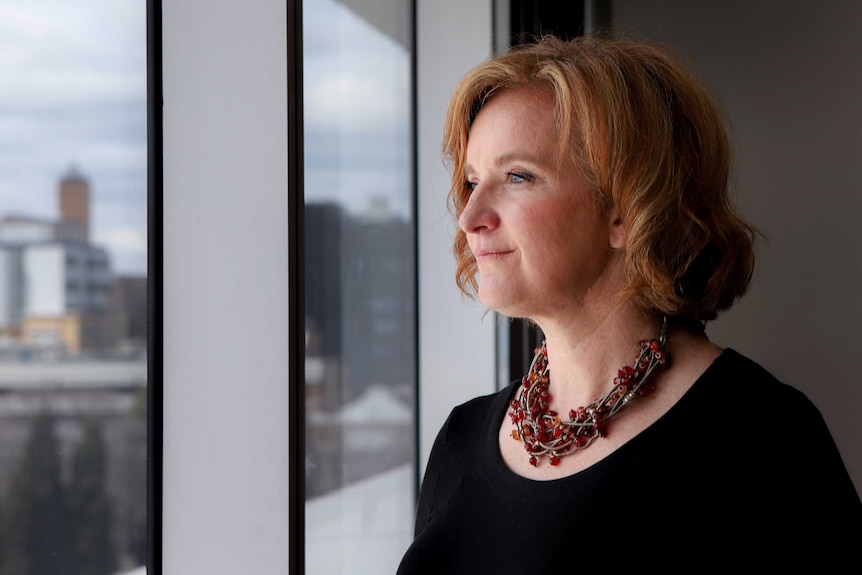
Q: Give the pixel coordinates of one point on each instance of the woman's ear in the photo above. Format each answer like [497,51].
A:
[617,232]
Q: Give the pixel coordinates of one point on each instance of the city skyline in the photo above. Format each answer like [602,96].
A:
[73,93]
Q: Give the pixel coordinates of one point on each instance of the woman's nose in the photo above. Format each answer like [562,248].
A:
[479,213]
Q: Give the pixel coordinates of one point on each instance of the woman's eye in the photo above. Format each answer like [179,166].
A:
[519,177]
[471,185]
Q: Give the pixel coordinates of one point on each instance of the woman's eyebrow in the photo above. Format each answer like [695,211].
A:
[515,156]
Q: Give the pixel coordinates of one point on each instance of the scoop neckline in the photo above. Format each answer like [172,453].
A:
[498,472]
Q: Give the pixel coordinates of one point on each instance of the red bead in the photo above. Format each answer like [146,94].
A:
[539,428]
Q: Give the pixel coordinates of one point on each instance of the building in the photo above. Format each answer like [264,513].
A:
[359,344]
[55,286]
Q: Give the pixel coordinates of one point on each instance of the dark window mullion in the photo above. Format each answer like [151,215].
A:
[296,272]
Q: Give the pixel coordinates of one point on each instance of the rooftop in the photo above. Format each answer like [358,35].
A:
[81,374]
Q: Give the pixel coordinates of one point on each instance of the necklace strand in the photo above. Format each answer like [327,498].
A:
[543,432]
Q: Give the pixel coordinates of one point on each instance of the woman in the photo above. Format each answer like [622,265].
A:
[590,183]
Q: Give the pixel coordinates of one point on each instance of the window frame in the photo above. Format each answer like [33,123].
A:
[296,294]
[155,437]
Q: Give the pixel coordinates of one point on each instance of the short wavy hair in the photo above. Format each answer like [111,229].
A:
[650,139]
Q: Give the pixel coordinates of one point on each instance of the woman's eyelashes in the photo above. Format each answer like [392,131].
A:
[511,177]
[519,177]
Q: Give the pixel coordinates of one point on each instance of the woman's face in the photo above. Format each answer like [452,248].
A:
[541,243]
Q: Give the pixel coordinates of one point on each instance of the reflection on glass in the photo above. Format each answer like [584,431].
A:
[73,370]
[360,294]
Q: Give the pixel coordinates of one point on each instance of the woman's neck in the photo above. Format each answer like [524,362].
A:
[586,351]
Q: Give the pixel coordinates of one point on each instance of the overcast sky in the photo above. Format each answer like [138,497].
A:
[73,92]
[357,112]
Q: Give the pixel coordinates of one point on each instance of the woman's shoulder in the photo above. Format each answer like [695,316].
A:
[743,381]
[480,410]
[743,402]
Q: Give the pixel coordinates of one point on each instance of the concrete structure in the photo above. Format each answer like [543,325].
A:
[55,286]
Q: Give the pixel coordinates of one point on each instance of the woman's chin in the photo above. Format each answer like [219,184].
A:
[502,303]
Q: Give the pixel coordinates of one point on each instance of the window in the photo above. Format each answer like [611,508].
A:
[73,272]
[360,363]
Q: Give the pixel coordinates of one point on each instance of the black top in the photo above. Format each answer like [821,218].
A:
[741,471]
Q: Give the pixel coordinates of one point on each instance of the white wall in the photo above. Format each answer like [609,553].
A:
[45,280]
[225,288]
[456,345]
[789,76]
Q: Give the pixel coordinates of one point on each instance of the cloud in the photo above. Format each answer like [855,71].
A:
[62,54]
[125,240]
[357,112]
[73,90]
[355,77]
[127,246]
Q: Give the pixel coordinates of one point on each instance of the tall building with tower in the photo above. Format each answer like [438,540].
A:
[55,286]
[74,202]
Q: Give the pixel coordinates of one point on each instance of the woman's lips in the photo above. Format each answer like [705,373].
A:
[491,254]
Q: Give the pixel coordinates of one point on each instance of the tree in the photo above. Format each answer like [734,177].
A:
[89,508]
[35,521]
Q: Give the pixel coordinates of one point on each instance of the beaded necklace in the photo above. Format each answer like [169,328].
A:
[544,433]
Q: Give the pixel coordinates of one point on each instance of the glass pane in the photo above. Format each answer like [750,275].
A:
[73,371]
[360,293]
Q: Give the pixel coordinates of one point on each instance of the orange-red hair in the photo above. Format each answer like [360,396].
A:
[651,140]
